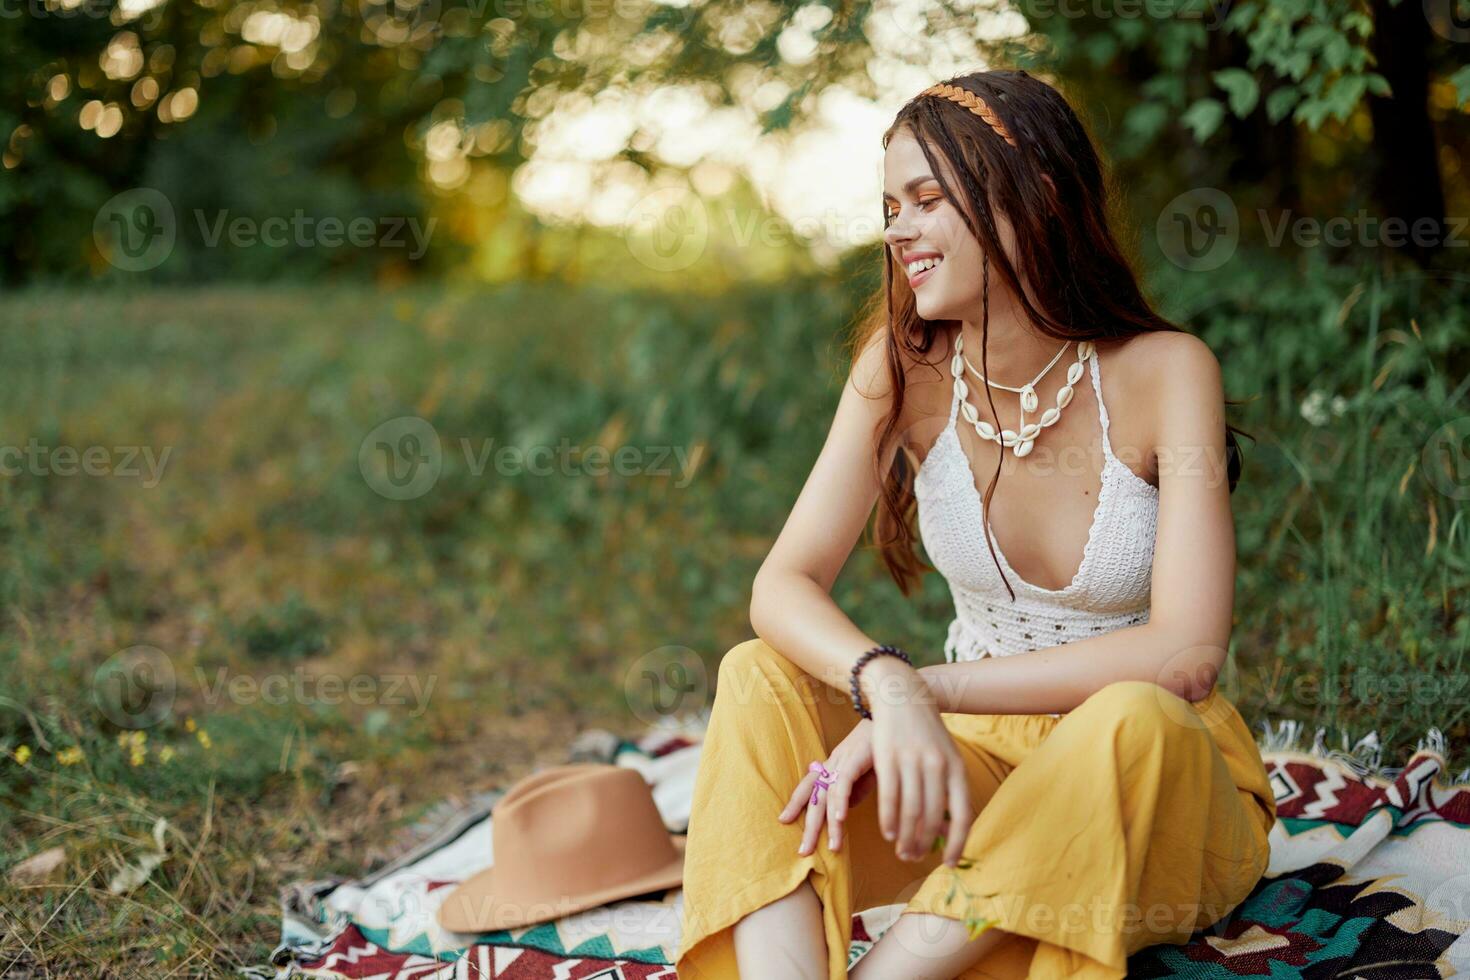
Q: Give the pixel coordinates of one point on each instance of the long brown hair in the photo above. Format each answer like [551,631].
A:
[1000,146]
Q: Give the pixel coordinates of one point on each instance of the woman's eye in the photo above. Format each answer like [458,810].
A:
[890,214]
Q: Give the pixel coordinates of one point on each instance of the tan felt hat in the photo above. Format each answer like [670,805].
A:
[567,839]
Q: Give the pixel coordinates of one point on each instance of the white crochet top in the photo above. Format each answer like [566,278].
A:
[1110,590]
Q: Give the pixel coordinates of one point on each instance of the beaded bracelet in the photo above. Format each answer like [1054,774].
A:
[879,651]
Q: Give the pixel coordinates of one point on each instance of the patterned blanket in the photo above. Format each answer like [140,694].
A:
[1369,880]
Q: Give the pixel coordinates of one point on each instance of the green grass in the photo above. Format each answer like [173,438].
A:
[525,606]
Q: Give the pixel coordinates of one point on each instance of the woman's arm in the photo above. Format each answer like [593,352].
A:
[920,775]
[791,607]
[1183,645]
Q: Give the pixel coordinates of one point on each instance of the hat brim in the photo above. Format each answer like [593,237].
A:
[477,904]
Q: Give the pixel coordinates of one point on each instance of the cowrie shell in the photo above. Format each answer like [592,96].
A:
[1025,447]
[957,365]
[1074,373]
[1028,398]
[1050,416]
[960,391]
[985,429]
[1084,350]
[1064,396]
[971,414]
[1028,431]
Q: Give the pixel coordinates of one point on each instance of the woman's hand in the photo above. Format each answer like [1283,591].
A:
[852,762]
[920,772]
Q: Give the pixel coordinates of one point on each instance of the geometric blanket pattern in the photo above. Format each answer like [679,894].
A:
[1369,878]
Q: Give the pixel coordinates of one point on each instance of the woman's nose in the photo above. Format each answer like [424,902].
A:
[897,232]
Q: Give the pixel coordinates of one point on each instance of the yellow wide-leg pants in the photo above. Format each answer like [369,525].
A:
[1136,818]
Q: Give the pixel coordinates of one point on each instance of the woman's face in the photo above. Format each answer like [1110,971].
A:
[923,223]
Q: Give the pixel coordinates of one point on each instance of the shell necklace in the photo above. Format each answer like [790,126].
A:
[1019,441]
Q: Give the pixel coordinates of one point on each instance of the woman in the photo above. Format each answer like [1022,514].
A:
[1069,786]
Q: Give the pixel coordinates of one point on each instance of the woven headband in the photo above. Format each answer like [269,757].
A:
[975,104]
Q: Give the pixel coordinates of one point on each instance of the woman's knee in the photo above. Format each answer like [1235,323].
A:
[753,669]
[1144,708]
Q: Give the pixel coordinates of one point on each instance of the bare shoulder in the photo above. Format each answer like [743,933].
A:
[1161,364]
[1150,379]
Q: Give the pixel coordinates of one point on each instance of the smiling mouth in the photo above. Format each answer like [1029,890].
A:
[923,275]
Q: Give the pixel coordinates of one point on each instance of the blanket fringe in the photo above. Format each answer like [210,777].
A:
[1364,757]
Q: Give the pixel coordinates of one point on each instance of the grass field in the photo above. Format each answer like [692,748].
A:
[201,479]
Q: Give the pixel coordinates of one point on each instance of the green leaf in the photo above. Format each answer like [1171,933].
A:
[1241,17]
[1378,85]
[1317,36]
[1241,86]
[1345,94]
[1146,119]
[1203,118]
[1339,50]
[1312,112]
[1279,102]
[1100,48]
[1166,88]
[1131,32]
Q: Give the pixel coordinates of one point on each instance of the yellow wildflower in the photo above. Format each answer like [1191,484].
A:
[189,724]
[22,754]
[70,755]
[166,753]
[136,740]
[203,737]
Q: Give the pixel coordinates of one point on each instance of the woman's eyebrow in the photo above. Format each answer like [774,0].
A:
[909,187]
